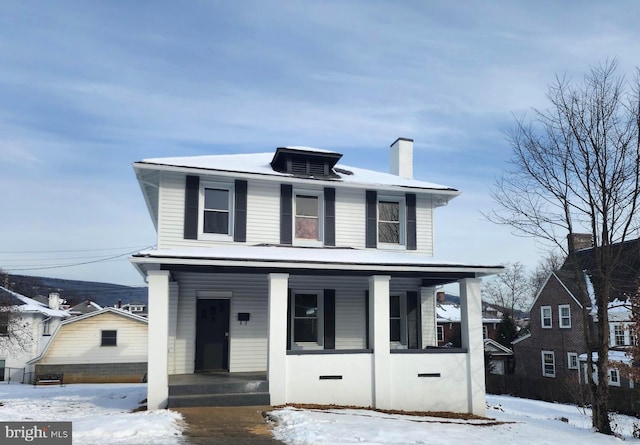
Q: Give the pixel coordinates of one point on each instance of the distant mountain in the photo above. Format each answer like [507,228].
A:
[75,291]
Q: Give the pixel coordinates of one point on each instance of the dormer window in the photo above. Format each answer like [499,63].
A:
[305,161]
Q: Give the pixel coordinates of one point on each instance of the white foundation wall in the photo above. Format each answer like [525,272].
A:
[448,392]
[305,386]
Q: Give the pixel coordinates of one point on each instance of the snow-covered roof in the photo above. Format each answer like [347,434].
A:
[306,258]
[619,310]
[30,305]
[259,163]
[614,356]
[451,312]
[105,310]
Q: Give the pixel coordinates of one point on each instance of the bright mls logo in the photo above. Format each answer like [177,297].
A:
[35,433]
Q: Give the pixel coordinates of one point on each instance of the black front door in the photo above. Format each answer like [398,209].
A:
[212,335]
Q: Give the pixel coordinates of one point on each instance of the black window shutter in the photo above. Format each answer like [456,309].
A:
[414,340]
[240,217]
[286,213]
[329,216]
[372,219]
[329,319]
[411,222]
[289,319]
[366,318]
[191,199]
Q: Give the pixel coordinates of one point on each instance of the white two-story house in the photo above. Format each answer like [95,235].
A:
[321,275]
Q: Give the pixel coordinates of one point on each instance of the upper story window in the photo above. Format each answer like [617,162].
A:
[618,331]
[614,377]
[109,338]
[216,217]
[564,315]
[572,360]
[391,220]
[308,217]
[545,317]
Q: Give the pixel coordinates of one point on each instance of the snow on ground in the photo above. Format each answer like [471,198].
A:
[529,421]
[100,413]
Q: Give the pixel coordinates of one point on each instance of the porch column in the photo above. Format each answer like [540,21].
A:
[158,330]
[429,329]
[379,334]
[471,324]
[277,340]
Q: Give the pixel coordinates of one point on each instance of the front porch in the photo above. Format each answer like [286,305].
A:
[364,336]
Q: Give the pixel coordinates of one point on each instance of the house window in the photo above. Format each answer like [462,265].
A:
[614,377]
[4,323]
[216,205]
[307,317]
[548,364]
[390,220]
[545,317]
[395,319]
[564,315]
[308,216]
[618,331]
[46,327]
[109,338]
[440,333]
[485,332]
[572,360]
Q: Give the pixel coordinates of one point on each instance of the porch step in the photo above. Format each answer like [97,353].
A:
[220,388]
[230,399]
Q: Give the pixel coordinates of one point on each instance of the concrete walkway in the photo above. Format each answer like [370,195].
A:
[232,425]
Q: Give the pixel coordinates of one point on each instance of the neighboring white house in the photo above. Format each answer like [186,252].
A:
[104,346]
[25,330]
[320,274]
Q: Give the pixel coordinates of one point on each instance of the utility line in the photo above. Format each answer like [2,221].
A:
[75,250]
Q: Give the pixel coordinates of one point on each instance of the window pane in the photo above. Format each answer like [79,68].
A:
[306,205]
[216,199]
[305,329]
[388,211]
[216,222]
[389,232]
[306,305]
[394,306]
[109,338]
[307,228]
[394,332]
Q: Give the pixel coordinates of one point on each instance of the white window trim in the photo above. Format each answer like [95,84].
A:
[553,356]
[402,344]
[403,221]
[560,318]
[542,318]
[610,373]
[307,345]
[215,236]
[569,356]
[615,336]
[309,242]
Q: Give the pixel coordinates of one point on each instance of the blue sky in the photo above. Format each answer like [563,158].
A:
[88,88]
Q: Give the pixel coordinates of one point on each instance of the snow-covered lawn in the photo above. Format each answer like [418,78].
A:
[100,414]
[529,421]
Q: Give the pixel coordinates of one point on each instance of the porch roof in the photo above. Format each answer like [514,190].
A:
[313,260]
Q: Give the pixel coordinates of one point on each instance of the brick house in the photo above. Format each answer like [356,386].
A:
[556,340]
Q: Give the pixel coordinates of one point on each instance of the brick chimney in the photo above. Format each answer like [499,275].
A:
[402,158]
[578,241]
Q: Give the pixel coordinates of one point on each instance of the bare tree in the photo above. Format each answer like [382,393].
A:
[550,263]
[576,168]
[510,290]
[15,331]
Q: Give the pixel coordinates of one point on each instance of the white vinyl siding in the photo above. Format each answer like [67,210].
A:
[350,218]
[263,214]
[79,342]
